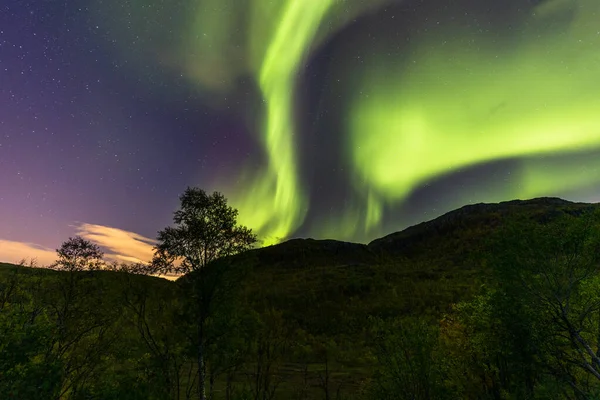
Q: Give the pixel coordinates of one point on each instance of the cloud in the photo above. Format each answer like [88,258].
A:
[120,245]
[13,252]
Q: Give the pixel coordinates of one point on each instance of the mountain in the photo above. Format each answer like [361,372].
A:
[483,218]
[322,294]
[447,249]
[328,287]
[472,222]
[424,268]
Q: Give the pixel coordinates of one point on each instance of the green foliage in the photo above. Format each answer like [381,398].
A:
[535,330]
[491,351]
[26,370]
[488,302]
[408,366]
[153,334]
[65,336]
[552,270]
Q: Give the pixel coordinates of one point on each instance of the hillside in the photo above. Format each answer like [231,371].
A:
[461,232]
[7,266]
[474,222]
[395,273]
[320,295]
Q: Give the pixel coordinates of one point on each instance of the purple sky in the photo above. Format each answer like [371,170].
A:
[92,144]
[86,139]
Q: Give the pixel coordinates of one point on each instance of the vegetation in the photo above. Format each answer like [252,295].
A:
[206,229]
[78,254]
[486,302]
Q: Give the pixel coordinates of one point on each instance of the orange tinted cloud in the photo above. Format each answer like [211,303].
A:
[119,244]
[13,252]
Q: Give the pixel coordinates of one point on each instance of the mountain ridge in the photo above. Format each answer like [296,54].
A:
[325,294]
[409,241]
[400,243]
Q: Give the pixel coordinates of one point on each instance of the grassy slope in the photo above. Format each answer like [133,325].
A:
[7,266]
[425,267]
[329,289]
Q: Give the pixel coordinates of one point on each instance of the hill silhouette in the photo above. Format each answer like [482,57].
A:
[445,253]
[324,293]
[448,248]
[413,242]
[471,222]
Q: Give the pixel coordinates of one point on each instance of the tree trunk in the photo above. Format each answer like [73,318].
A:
[211,391]
[229,389]
[326,387]
[201,373]
[596,365]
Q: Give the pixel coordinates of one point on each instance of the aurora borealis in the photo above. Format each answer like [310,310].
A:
[455,106]
[337,119]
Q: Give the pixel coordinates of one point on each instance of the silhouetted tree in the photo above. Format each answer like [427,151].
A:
[82,319]
[153,312]
[271,343]
[78,254]
[137,268]
[205,230]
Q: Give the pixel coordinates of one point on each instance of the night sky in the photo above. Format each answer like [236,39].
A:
[345,119]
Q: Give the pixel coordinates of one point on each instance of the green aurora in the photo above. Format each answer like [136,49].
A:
[279,38]
[456,99]
[455,106]
[274,203]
